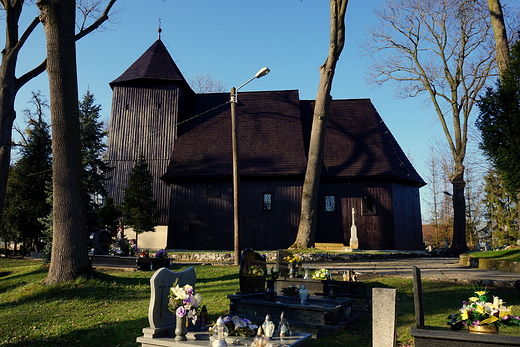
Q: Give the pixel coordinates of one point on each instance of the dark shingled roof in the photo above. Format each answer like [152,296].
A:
[155,64]
[270,136]
[359,144]
[274,129]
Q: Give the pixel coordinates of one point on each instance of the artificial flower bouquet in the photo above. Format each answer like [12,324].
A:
[272,273]
[161,254]
[292,258]
[184,302]
[478,311]
[240,326]
[291,290]
[132,247]
[322,274]
[115,251]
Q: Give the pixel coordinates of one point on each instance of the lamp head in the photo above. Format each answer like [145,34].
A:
[263,71]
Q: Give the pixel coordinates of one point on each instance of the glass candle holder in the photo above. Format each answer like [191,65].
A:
[220,332]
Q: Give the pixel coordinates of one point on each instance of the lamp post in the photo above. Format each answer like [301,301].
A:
[236,179]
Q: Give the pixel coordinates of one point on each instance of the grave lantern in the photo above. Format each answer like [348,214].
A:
[220,332]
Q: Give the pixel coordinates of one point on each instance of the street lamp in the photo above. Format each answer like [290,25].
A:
[236,179]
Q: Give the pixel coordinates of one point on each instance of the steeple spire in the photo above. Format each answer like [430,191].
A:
[159,30]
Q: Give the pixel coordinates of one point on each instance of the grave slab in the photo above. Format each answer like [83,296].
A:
[204,340]
[441,337]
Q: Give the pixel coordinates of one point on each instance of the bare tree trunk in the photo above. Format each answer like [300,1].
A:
[69,258]
[459,208]
[499,30]
[307,228]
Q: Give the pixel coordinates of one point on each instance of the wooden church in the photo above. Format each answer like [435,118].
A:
[186,140]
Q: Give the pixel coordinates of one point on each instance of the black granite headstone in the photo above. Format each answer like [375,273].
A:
[417,296]
[252,272]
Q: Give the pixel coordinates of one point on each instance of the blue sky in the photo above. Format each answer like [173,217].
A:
[231,40]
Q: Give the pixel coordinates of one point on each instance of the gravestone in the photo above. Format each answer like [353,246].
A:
[281,263]
[162,320]
[252,272]
[100,241]
[384,303]
[417,298]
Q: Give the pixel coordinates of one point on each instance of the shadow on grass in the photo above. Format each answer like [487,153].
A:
[93,289]
[12,281]
[121,334]
[142,278]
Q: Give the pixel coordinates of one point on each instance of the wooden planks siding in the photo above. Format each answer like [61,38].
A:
[142,121]
[208,220]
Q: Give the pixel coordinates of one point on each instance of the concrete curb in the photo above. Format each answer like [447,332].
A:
[467,260]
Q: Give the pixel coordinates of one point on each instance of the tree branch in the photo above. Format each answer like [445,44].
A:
[97,23]
[27,33]
[43,65]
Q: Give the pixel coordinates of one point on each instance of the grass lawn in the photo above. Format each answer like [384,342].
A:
[512,254]
[111,309]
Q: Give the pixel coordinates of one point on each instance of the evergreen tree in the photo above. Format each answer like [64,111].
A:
[26,202]
[139,205]
[95,168]
[110,215]
[501,211]
[499,123]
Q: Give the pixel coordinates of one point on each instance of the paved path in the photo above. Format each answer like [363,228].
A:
[435,268]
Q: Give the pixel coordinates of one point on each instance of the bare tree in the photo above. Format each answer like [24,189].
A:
[435,186]
[443,48]
[207,84]
[10,84]
[307,228]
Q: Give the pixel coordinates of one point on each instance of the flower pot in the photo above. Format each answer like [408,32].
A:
[181,328]
[483,329]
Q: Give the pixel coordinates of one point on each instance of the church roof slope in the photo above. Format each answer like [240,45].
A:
[359,144]
[155,63]
[269,132]
[274,132]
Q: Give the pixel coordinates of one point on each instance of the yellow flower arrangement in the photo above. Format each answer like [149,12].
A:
[292,258]
[479,311]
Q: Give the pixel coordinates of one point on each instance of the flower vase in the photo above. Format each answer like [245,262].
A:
[291,269]
[181,328]
[483,329]
[270,291]
[307,276]
[303,293]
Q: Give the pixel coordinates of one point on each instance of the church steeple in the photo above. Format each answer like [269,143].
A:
[155,65]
